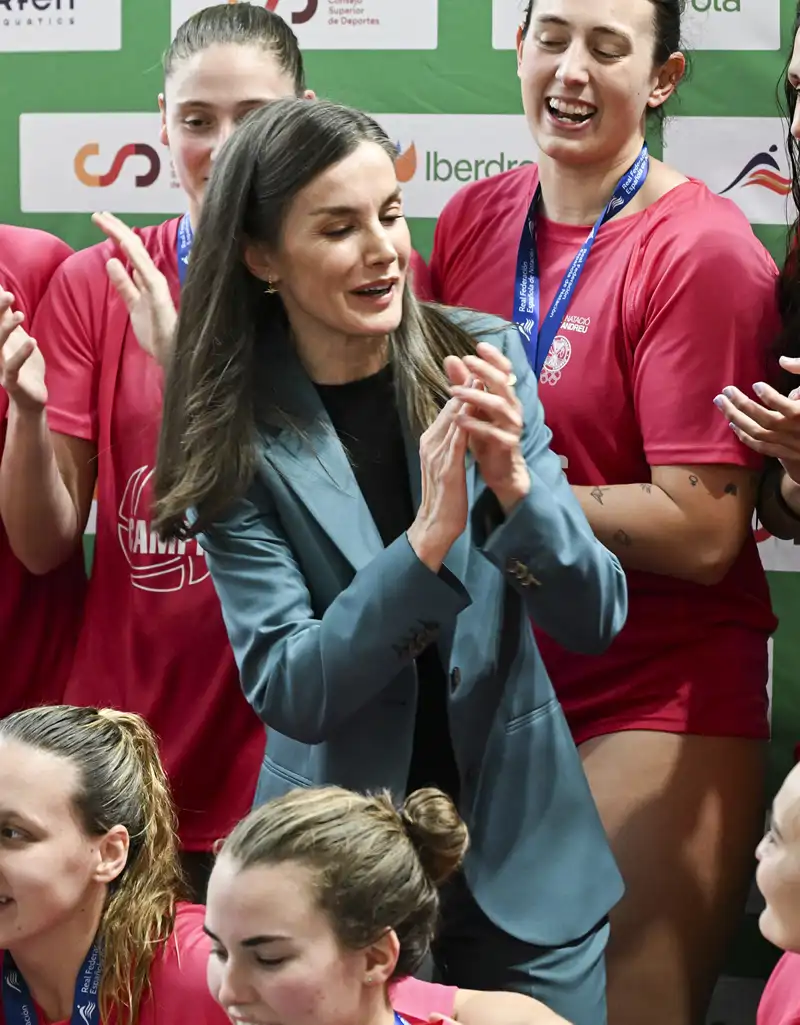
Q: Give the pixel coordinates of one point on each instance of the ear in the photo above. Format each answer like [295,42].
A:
[520,46]
[381,959]
[309,94]
[163,134]
[259,264]
[669,75]
[112,852]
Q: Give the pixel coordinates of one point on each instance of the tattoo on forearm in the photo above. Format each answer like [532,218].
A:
[732,489]
[597,494]
[647,488]
[694,481]
[622,538]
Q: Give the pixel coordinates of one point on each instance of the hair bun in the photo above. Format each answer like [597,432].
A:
[437,831]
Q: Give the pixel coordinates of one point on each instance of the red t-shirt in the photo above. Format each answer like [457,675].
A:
[780,1001]
[674,303]
[179,990]
[39,615]
[416,1001]
[153,640]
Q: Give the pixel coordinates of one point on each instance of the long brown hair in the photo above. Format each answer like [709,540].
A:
[375,866]
[219,388]
[120,782]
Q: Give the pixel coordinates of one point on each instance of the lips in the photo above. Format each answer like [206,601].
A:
[570,111]
[376,288]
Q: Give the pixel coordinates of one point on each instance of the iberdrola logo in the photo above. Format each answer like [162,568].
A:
[406,163]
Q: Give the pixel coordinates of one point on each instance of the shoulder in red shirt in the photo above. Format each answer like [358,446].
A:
[39,616]
[153,640]
[780,1001]
[674,303]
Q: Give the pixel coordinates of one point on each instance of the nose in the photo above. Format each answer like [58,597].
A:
[573,66]
[224,133]
[760,849]
[796,120]
[234,990]
[381,247]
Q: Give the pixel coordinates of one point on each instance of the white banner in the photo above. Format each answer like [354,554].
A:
[35,26]
[708,24]
[347,25]
[742,158]
[440,153]
[79,163]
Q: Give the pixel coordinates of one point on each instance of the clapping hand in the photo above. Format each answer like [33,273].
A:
[491,417]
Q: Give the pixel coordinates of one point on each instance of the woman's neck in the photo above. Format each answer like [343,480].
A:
[578,193]
[331,358]
[50,964]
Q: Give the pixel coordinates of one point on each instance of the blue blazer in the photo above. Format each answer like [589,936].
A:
[325,623]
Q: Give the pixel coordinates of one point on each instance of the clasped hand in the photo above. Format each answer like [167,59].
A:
[484,416]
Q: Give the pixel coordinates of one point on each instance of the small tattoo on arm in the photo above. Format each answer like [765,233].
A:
[622,538]
[694,481]
[597,494]
[647,488]
[732,489]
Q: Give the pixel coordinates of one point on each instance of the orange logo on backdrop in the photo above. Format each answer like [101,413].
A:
[406,163]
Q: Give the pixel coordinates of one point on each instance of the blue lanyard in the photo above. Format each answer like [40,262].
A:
[538,337]
[18,1005]
[185,241]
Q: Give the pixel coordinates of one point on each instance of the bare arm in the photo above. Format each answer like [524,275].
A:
[46,481]
[46,486]
[475,1008]
[689,522]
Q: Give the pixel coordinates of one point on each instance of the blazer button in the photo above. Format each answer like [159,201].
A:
[455,678]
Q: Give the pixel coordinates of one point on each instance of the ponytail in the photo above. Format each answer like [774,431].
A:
[120,782]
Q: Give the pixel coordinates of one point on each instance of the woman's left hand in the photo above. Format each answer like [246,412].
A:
[771,426]
[492,420]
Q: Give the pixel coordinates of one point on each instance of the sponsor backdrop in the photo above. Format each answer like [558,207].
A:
[79,81]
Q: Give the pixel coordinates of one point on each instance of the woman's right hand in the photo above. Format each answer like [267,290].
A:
[442,514]
[21,361]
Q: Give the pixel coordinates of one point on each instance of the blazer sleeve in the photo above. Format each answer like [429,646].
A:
[303,675]
[574,587]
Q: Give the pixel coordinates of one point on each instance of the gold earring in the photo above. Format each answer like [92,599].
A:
[271,289]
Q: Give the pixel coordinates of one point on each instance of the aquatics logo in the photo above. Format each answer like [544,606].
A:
[142,180]
[762,171]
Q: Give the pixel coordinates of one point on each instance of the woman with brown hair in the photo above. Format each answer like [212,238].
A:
[322,904]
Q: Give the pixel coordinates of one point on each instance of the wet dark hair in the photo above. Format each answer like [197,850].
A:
[120,781]
[223,386]
[667,17]
[788,343]
[241,25]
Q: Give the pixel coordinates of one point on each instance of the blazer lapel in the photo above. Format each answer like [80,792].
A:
[313,463]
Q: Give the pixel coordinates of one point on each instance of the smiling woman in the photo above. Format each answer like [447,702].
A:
[371,480]
[640,293]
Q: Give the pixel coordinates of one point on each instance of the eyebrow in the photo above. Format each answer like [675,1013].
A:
[257,101]
[339,211]
[251,941]
[609,30]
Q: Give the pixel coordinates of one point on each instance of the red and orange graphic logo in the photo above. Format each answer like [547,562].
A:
[764,171]
[405,165]
[125,153]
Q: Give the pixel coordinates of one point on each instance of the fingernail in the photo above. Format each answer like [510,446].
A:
[719,402]
[734,428]
[759,387]
[728,392]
